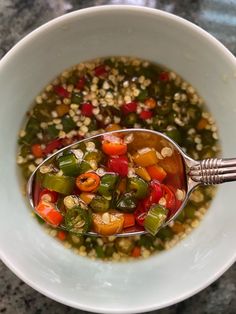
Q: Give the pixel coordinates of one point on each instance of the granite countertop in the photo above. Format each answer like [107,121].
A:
[19,17]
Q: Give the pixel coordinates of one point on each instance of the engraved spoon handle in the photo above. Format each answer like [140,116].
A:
[213,171]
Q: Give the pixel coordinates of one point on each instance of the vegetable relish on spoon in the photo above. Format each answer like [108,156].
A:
[135,182]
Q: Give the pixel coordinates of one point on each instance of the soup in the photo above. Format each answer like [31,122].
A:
[109,94]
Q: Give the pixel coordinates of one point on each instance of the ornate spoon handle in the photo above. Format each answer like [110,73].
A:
[213,171]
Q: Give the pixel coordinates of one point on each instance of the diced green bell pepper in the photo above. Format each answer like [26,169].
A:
[76,98]
[31,129]
[109,250]
[130,119]
[142,95]
[93,125]
[68,124]
[107,184]
[175,135]
[165,233]
[69,165]
[127,203]
[52,132]
[60,184]
[83,167]
[99,204]
[99,251]
[96,155]
[146,241]
[138,186]
[189,210]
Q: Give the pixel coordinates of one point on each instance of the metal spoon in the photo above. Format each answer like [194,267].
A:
[190,173]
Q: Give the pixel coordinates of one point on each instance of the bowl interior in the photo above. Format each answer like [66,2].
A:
[43,262]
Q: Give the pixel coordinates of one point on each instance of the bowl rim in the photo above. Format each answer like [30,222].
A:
[93,11]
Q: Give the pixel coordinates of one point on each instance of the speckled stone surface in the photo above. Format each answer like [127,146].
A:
[18,18]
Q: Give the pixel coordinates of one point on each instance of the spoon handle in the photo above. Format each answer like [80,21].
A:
[213,171]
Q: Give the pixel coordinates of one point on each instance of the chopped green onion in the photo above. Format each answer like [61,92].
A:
[155,218]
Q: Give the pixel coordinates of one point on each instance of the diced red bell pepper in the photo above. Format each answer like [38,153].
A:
[49,196]
[164,76]
[178,203]
[145,114]
[49,213]
[37,150]
[51,146]
[170,198]
[87,109]
[61,91]
[81,83]
[154,196]
[129,107]
[129,220]
[100,70]
[140,217]
[118,164]
[61,235]
[136,252]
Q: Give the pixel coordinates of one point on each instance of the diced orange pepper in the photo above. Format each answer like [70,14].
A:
[142,172]
[129,220]
[86,197]
[150,103]
[156,172]
[62,110]
[113,127]
[136,251]
[172,164]
[146,159]
[37,150]
[202,123]
[122,185]
[61,235]
[114,226]
[110,148]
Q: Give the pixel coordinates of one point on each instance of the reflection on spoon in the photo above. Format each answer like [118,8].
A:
[122,183]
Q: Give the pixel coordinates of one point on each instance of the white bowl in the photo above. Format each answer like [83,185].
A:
[44,263]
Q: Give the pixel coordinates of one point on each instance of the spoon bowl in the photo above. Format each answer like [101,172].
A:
[184,173]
